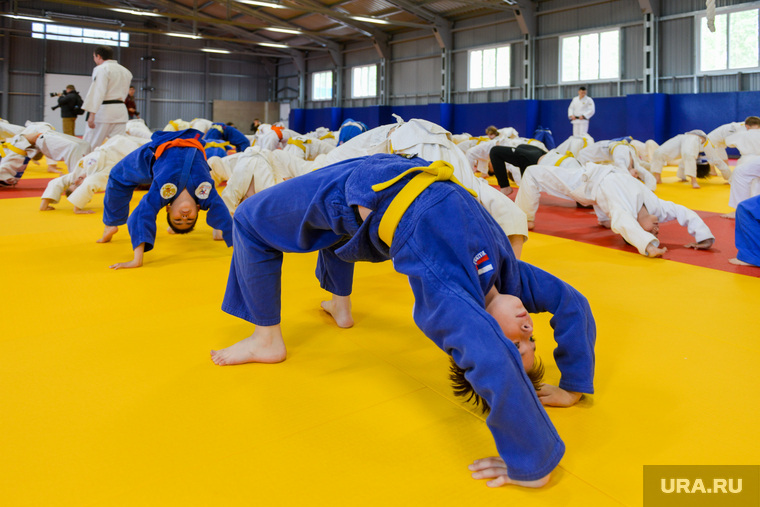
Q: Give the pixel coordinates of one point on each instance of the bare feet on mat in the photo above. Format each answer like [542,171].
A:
[731,215]
[506,190]
[740,263]
[108,233]
[339,307]
[265,345]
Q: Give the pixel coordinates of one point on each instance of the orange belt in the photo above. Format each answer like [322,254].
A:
[180,143]
[278,131]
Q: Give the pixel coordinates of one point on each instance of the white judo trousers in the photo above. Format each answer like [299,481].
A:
[745,180]
[683,146]
[110,81]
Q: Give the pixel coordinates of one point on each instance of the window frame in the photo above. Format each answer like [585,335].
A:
[121,40]
[698,36]
[581,80]
[485,48]
[330,88]
[353,81]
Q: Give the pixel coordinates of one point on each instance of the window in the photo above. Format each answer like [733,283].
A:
[364,82]
[75,34]
[489,68]
[321,85]
[733,45]
[590,56]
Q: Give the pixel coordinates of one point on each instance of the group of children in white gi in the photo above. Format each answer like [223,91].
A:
[377,197]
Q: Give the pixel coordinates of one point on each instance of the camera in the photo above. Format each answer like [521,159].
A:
[57,94]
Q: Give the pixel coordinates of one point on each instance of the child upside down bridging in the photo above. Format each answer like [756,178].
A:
[459,263]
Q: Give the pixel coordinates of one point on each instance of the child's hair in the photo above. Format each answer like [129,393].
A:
[752,121]
[703,169]
[492,130]
[463,388]
[177,229]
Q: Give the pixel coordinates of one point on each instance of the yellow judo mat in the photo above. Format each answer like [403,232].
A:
[109,397]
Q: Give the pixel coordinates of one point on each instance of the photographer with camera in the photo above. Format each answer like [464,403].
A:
[70,103]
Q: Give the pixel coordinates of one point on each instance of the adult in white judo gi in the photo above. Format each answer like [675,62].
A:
[107,113]
[90,174]
[432,142]
[620,201]
[581,110]
[684,146]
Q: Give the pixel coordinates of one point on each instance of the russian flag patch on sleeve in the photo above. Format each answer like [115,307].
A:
[482,262]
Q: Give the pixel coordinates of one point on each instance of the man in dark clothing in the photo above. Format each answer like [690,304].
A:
[70,103]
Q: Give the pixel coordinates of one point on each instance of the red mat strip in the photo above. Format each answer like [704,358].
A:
[557,217]
[30,187]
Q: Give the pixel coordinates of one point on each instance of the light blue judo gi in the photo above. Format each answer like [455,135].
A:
[453,253]
[179,167]
[747,236]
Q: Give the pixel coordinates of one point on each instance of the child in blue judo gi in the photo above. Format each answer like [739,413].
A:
[174,164]
[219,132]
[747,237]
[472,296]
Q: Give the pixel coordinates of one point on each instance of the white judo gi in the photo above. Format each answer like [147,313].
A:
[57,146]
[684,146]
[269,138]
[615,195]
[581,107]
[138,128]
[265,168]
[14,157]
[620,153]
[307,148]
[201,124]
[110,83]
[574,144]
[745,180]
[716,146]
[432,142]
[176,125]
[8,130]
[95,167]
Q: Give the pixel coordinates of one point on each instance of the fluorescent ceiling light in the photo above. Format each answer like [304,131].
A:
[272,45]
[29,18]
[282,30]
[138,12]
[212,50]
[262,4]
[183,35]
[371,20]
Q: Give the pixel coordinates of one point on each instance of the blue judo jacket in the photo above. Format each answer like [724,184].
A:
[176,169]
[453,253]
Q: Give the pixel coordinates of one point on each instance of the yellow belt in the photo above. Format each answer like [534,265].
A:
[614,145]
[214,144]
[174,124]
[298,143]
[327,136]
[480,139]
[12,148]
[437,171]
[562,159]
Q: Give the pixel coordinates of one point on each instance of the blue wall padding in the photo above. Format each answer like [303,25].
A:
[647,116]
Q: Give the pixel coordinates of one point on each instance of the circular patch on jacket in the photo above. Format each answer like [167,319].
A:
[203,190]
[168,191]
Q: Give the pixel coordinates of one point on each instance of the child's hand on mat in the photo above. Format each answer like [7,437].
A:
[554,396]
[495,469]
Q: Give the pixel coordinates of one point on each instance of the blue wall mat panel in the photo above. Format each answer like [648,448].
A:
[552,114]
[610,119]
[748,104]
[475,118]
[703,111]
[647,116]
[297,120]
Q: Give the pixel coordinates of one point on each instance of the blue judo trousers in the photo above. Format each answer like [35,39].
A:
[747,236]
[453,253]
[177,167]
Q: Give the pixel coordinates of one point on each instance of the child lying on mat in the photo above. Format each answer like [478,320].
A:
[472,296]
[620,201]
[174,164]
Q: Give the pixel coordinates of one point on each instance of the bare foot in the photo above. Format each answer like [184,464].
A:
[658,177]
[694,183]
[340,309]
[52,169]
[740,263]
[731,215]
[265,345]
[108,233]
[531,225]
[506,190]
